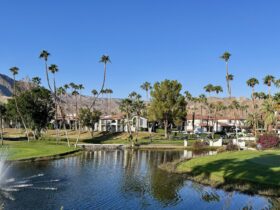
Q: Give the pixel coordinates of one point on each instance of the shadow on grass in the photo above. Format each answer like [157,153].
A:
[250,175]
[103,137]
[15,138]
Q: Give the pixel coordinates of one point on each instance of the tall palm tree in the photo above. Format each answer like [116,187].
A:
[14,71]
[75,93]
[230,78]
[45,55]
[110,92]
[217,89]
[268,80]
[252,82]
[203,101]
[235,106]
[146,86]
[226,57]
[54,69]
[94,92]
[268,109]
[104,59]
[36,81]
[209,89]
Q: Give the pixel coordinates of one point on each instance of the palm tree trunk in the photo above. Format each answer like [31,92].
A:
[1,124]
[166,128]
[47,75]
[19,113]
[228,85]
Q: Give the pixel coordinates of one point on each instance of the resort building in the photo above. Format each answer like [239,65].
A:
[198,123]
[117,123]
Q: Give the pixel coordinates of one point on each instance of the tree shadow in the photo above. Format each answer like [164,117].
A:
[251,175]
[103,137]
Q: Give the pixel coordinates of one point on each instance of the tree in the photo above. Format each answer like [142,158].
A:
[217,89]
[36,81]
[252,82]
[54,69]
[268,80]
[203,101]
[104,59]
[127,108]
[88,118]
[110,92]
[37,107]
[226,57]
[138,107]
[146,86]
[2,115]
[167,104]
[235,106]
[45,55]
[209,88]
[268,110]
[14,71]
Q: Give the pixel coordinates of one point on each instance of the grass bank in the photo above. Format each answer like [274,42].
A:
[36,150]
[248,171]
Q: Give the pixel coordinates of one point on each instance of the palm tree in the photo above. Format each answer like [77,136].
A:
[203,101]
[104,59]
[53,69]
[45,55]
[14,71]
[146,86]
[252,82]
[235,106]
[94,92]
[110,91]
[226,57]
[36,81]
[268,80]
[230,78]
[218,89]
[268,109]
[75,93]
[209,89]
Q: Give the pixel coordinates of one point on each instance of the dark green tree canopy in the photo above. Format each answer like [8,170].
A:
[168,104]
[36,105]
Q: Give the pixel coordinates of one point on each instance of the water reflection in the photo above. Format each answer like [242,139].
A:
[127,179]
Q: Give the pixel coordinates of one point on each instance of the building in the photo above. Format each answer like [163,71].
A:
[117,123]
[198,123]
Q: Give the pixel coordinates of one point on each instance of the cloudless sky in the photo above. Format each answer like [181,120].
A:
[147,40]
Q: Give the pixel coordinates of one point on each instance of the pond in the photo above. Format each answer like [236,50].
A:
[119,180]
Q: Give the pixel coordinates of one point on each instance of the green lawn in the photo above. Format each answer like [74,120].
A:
[23,150]
[261,167]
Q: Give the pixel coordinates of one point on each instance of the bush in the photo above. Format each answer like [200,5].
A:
[252,144]
[199,145]
[221,149]
[268,141]
[231,147]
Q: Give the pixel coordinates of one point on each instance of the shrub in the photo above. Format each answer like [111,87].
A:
[221,149]
[268,141]
[252,144]
[199,145]
[231,147]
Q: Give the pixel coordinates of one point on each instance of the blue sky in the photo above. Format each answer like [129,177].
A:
[147,40]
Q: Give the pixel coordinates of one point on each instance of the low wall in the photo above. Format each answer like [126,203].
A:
[102,146]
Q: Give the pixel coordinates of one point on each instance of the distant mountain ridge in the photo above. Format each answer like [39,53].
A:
[6,85]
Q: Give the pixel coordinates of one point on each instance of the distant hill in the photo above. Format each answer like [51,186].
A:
[6,85]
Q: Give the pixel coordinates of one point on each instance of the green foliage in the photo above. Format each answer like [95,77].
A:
[89,118]
[36,106]
[168,104]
